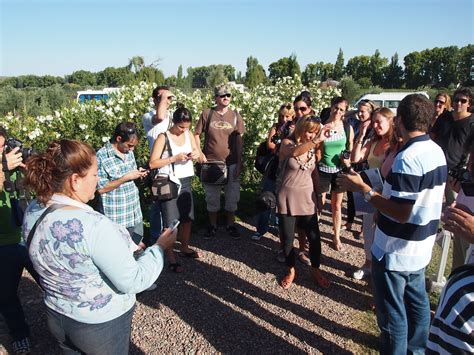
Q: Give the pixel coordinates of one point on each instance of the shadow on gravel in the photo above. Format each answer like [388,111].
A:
[226,310]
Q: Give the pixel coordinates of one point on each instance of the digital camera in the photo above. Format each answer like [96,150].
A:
[12,143]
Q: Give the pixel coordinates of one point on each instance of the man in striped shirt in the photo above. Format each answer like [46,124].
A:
[409,211]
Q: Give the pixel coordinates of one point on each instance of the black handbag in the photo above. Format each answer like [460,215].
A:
[214,173]
[162,188]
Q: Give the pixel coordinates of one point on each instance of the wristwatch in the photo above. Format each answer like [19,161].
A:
[368,195]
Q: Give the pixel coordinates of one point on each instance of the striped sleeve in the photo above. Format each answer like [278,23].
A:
[452,329]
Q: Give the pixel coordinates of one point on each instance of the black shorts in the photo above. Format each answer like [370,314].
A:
[327,182]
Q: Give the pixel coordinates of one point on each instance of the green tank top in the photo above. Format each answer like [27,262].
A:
[332,149]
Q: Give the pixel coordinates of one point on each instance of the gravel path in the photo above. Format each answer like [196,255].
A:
[229,301]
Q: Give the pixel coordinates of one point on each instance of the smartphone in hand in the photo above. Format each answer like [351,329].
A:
[174,225]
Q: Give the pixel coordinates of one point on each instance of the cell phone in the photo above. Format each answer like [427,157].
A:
[468,188]
[174,224]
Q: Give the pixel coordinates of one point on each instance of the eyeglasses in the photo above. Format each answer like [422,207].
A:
[302,108]
[439,102]
[225,95]
[458,99]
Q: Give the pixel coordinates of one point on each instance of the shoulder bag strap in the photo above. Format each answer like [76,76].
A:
[170,152]
[206,127]
[50,209]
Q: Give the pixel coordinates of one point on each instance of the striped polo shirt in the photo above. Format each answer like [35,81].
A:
[452,329]
[418,177]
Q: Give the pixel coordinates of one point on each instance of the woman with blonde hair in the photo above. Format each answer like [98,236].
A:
[442,104]
[297,200]
[374,153]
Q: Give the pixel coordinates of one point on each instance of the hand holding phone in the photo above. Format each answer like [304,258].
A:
[174,225]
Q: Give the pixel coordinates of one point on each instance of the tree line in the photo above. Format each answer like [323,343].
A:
[435,68]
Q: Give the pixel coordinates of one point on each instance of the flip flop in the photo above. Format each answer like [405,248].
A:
[190,254]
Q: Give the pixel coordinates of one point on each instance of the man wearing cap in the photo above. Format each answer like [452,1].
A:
[223,129]
[155,122]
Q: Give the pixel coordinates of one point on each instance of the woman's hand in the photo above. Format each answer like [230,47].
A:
[179,157]
[194,155]
[459,220]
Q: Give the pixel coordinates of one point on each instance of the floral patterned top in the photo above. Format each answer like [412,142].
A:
[86,261]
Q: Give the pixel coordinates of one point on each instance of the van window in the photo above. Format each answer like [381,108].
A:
[391,103]
[378,103]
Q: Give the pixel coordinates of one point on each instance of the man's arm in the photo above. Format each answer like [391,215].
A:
[162,108]
[395,209]
[131,175]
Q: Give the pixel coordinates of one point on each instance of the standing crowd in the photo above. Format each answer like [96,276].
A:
[91,263]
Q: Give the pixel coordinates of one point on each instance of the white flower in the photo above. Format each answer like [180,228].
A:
[105,139]
[131,115]
[82,126]
[86,137]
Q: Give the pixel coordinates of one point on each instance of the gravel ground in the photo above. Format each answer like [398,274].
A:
[229,301]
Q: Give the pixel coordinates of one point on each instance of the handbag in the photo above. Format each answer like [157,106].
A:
[162,188]
[214,172]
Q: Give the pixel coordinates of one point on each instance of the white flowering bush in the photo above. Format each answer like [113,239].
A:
[93,122]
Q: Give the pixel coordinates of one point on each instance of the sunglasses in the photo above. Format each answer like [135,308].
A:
[440,102]
[302,109]
[458,99]
[225,95]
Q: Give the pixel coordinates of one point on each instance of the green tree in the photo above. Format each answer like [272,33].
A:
[217,76]
[351,90]
[338,70]
[358,67]
[286,66]
[414,70]
[392,74]
[114,77]
[171,81]
[11,100]
[255,73]
[136,64]
[179,77]
[376,64]
[465,63]
[150,75]
[318,71]
[83,78]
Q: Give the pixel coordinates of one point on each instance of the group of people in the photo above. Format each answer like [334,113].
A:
[91,263]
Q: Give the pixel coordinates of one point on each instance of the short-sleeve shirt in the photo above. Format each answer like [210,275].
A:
[220,135]
[121,205]
[153,131]
[451,135]
[418,177]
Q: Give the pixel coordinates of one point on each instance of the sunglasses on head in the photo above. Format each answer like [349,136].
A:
[313,119]
[440,102]
[458,99]
[225,95]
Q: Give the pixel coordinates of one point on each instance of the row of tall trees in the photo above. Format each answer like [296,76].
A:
[436,68]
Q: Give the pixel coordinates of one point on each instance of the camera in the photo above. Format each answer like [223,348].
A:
[276,139]
[460,172]
[346,154]
[12,143]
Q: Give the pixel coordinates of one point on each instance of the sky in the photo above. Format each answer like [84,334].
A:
[59,37]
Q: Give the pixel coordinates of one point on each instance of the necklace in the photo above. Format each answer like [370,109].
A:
[309,163]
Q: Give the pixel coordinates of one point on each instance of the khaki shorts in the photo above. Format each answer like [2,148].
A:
[231,193]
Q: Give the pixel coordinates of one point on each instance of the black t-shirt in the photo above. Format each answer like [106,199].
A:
[451,136]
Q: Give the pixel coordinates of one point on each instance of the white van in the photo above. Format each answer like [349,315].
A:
[388,99]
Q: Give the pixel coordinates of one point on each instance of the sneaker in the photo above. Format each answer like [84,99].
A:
[232,231]
[256,236]
[281,257]
[361,273]
[21,346]
[211,232]
[152,287]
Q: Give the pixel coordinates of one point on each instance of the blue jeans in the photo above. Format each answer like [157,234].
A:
[263,217]
[112,337]
[403,309]
[155,221]
[13,258]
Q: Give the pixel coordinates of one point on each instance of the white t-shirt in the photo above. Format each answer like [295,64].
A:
[153,131]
